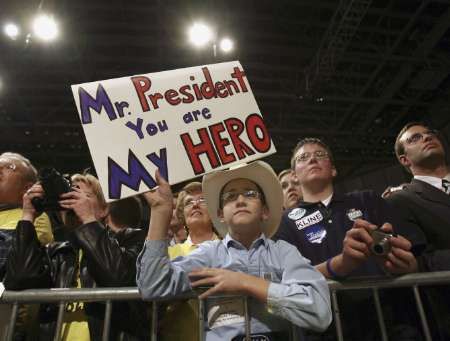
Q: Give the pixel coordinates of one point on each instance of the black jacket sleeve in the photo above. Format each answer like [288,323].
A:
[27,266]
[111,258]
[428,257]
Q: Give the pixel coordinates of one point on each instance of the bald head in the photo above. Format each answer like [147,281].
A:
[17,174]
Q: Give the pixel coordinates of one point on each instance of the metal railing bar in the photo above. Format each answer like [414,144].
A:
[247,319]
[154,331]
[59,321]
[130,293]
[107,321]
[376,298]
[424,278]
[201,315]
[336,315]
[421,311]
[12,322]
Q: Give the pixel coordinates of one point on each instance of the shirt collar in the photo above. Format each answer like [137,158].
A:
[431,180]
[188,241]
[326,202]
[230,242]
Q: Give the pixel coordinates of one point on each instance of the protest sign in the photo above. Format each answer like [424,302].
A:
[185,122]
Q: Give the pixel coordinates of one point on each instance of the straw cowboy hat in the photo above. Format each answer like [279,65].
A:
[260,173]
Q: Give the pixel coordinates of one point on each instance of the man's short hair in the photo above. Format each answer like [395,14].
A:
[399,147]
[283,173]
[29,171]
[189,189]
[126,212]
[311,140]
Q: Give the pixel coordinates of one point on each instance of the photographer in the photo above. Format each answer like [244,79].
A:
[17,175]
[339,233]
[93,256]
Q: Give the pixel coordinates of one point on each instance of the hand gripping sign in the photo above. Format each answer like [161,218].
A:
[185,122]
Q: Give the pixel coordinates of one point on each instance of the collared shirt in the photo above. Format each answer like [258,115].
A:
[297,292]
[185,248]
[432,180]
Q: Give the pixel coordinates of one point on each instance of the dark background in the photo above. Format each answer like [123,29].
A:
[350,72]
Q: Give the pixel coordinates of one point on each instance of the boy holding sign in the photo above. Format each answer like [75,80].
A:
[245,205]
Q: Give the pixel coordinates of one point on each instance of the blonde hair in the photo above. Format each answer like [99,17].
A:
[93,183]
[189,189]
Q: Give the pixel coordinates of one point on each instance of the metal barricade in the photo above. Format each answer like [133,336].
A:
[108,295]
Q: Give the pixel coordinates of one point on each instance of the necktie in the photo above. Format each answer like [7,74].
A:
[446,186]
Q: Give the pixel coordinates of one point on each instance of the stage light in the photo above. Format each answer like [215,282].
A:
[45,27]
[11,30]
[200,34]
[226,45]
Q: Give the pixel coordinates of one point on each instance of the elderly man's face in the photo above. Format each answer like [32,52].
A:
[12,181]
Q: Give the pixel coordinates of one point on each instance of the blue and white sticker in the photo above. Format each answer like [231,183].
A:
[297,213]
[316,234]
[354,214]
[309,220]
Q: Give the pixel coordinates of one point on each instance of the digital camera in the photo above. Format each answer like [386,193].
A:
[381,244]
[54,184]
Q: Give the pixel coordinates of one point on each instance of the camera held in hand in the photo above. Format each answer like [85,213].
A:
[54,184]
[381,245]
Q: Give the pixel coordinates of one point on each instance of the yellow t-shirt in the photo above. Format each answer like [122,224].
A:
[10,218]
[75,326]
[184,312]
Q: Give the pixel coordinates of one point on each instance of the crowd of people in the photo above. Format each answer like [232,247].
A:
[243,231]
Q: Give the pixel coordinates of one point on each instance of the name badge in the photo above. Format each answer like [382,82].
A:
[309,220]
[316,234]
[354,214]
[296,213]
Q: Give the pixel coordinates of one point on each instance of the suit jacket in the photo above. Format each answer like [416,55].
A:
[425,214]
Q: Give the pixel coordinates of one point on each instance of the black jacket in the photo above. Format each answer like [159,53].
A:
[425,214]
[109,260]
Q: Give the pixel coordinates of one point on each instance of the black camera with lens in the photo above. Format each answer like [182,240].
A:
[54,184]
[381,245]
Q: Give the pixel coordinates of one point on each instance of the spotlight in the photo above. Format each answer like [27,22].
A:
[226,45]
[11,30]
[45,27]
[200,34]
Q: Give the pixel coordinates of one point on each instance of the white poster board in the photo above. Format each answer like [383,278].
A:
[185,122]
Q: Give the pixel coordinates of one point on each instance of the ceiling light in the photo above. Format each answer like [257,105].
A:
[226,45]
[45,27]
[200,34]
[11,30]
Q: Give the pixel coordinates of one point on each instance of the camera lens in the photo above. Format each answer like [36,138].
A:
[378,249]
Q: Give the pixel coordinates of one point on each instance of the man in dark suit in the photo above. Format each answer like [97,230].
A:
[424,207]
[424,204]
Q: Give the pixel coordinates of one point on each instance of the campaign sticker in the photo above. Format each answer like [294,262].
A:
[316,234]
[297,213]
[309,220]
[354,214]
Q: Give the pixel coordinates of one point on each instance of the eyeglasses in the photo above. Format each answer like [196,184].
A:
[417,137]
[191,202]
[8,166]
[318,154]
[233,196]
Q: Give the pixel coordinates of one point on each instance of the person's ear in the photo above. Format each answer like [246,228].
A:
[104,212]
[334,172]
[220,215]
[265,213]
[404,160]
